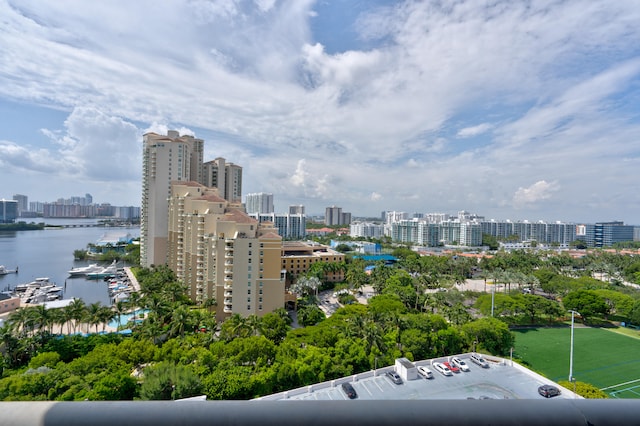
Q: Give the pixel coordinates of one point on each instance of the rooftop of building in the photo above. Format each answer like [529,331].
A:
[503,379]
[304,248]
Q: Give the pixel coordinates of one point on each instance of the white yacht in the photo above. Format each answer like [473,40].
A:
[84,270]
[104,272]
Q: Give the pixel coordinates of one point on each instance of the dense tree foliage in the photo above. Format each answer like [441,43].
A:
[416,311]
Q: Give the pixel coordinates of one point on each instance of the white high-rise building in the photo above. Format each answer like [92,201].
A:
[165,159]
[23,203]
[259,203]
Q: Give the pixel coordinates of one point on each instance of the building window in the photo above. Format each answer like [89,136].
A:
[248,307]
[248,300]
[259,307]
[249,291]
[260,291]
[260,299]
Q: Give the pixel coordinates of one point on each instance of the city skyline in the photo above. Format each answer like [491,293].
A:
[516,110]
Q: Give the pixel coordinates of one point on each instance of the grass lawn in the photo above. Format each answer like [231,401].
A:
[600,357]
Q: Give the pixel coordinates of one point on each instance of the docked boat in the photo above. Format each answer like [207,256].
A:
[5,271]
[85,270]
[105,272]
[35,284]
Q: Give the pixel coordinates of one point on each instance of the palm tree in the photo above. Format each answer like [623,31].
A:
[18,319]
[151,328]
[43,319]
[372,336]
[119,308]
[181,319]
[77,309]
[253,323]
[93,314]
[106,315]
[57,318]
[10,344]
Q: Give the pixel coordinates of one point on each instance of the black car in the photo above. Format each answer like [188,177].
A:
[548,391]
[349,390]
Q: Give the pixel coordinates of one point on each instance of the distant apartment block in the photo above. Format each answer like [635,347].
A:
[559,233]
[289,226]
[299,209]
[126,212]
[165,159]
[227,177]
[366,230]
[298,256]
[335,216]
[220,252]
[259,202]
[23,203]
[8,211]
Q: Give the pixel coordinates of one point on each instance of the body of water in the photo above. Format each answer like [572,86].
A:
[49,253]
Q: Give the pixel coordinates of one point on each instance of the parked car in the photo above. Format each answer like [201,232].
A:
[451,367]
[349,390]
[478,359]
[548,391]
[442,369]
[394,377]
[425,372]
[459,363]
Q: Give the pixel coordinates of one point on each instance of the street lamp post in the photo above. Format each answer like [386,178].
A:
[493,295]
[571,349]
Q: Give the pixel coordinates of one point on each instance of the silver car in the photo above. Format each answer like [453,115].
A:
[395,377]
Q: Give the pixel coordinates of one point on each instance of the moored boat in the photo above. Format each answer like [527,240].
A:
[5,271]
[105,272]
[85,270]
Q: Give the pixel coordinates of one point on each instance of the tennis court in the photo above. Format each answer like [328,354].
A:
[607,360]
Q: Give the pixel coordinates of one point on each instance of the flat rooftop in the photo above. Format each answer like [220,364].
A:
[503,379]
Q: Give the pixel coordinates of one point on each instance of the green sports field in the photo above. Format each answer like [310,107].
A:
[607,360]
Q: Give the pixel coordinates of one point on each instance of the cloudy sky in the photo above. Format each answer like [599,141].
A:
[508,109]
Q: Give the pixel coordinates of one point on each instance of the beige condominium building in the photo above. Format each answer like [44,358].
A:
[165,159]
[220,252]
[298,256]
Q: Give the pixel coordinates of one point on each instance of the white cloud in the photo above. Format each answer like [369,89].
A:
[375,196]
[468,132]
[539,191]
[254,80]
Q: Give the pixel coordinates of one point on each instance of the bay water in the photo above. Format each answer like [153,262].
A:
[49,253]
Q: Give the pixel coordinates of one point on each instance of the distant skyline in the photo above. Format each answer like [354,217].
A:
[510,109]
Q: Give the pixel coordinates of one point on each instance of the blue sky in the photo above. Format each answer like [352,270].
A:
[508,109]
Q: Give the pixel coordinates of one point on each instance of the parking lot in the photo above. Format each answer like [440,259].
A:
[501,380]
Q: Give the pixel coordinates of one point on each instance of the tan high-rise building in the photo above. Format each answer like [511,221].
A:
[165,159]
[227,177]
[219,252]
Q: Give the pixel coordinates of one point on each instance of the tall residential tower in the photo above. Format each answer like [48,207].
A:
[165,159]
